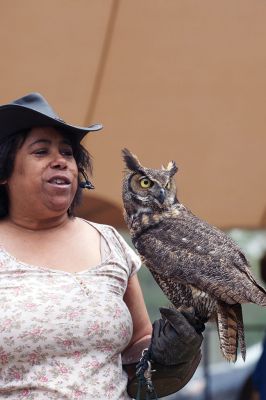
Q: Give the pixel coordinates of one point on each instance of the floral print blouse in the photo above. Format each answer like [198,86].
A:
[61,333]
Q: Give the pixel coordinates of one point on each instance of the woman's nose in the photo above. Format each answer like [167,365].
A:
[58,162]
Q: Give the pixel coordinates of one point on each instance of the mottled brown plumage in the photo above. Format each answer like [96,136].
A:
[195,264]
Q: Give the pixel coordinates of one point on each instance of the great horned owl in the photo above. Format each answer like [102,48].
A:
[195,264]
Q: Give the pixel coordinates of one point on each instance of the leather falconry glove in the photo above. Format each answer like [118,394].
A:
[174,352]
[176,337]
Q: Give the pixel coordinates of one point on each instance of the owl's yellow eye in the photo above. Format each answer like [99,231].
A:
[168,185]
[145,183]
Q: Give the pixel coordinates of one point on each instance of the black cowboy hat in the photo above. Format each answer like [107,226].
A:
[33,110]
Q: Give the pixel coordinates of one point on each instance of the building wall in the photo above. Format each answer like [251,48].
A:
[180,80]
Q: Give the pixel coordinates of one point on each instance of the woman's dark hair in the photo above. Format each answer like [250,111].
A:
[8,151]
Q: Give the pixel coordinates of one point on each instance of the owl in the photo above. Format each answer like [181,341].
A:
[196,265]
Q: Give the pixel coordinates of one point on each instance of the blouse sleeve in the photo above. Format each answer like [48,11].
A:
[132,259]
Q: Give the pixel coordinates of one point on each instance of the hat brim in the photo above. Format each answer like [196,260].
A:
[15,118]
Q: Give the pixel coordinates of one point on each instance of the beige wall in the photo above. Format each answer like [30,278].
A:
[183,80]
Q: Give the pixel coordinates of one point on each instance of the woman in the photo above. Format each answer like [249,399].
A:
[70,299]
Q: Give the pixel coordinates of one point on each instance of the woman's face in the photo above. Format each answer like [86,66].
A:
[45,175]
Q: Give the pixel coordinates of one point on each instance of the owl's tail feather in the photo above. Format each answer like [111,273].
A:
[240,328]
[231,330]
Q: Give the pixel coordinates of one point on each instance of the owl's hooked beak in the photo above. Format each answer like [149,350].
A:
[161,196]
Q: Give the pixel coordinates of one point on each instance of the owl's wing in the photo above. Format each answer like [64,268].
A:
[205,238]
[193,252]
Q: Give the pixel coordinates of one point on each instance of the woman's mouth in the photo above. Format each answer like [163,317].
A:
[59,181]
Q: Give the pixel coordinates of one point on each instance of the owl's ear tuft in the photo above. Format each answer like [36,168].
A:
[172,168]
[131,160]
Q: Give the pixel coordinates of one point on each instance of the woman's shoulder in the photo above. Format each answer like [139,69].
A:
[116,241]
[99,226]
[3,224]
[109,232]
[3,229]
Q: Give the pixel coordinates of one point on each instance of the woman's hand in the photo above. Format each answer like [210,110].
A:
[176,337]
[174,352]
